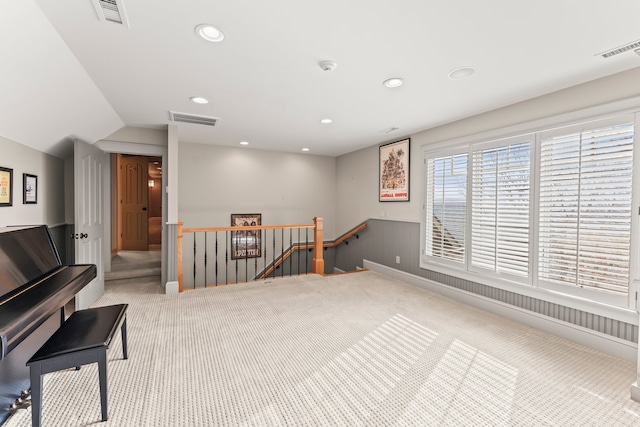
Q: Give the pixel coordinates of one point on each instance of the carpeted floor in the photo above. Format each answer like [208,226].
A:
[348,350]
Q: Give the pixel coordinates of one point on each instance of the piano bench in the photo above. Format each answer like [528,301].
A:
[82,339]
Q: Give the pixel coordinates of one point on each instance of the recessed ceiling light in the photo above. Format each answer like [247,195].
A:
[244,143]
[326,121]
[393,82]
[305,149]
[209,33]
[461,73]
[199,100]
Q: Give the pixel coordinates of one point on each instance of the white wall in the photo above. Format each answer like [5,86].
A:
[357,172]
[138,135]
[286,188]
[50,209]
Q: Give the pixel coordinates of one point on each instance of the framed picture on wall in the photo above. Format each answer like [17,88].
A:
[394,171]
[6,187]
[246,243]
[30,187]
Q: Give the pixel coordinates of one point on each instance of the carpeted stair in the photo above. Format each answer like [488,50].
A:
[129,266]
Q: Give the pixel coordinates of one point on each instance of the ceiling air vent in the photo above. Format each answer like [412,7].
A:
[618,50]
[193,119]
[111,10]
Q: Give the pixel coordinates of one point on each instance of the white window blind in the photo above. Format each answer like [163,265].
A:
[446,206]
[585,208]
[500,209]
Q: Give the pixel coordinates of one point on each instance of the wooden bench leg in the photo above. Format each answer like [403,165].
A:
[102,376]
[35,373]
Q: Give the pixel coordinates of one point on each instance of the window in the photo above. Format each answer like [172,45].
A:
[500,209]
[446,207]
[585,208]
[551,210]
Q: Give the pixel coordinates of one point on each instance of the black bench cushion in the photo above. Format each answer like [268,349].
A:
[84,329]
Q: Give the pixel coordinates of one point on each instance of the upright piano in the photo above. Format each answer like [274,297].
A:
[34,288]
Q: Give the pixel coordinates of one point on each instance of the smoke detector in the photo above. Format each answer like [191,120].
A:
[328,65]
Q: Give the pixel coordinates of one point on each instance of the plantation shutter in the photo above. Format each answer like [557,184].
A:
[446,207]
[585,208]
[500,209]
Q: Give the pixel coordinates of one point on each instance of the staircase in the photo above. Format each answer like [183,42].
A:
[134,266]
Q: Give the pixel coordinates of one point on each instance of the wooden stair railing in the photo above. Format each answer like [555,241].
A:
[318,245]
[317,226]
[299,247]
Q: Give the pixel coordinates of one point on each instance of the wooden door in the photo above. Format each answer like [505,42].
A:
[134,197]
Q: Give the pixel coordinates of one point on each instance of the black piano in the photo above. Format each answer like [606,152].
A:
[34,288]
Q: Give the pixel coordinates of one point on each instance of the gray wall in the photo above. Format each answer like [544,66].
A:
[50,209]
[286,188]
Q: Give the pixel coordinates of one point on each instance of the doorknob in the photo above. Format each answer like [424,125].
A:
[83,235]
[144,209]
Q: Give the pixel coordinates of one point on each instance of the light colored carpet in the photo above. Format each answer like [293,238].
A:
[349,350]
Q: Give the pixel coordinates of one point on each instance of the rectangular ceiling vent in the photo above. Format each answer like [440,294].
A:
[193,119]
[111,10]
[631,46]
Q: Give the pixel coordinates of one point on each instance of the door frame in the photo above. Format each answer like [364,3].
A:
[117,147]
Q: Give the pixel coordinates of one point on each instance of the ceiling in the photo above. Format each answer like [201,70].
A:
[68,74]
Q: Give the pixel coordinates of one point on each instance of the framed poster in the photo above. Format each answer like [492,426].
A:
[394,171]
[245,243]
[30,187]
[6,187]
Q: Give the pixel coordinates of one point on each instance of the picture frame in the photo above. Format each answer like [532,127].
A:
[6,186]
[246,243]
[393,166]
[30,189]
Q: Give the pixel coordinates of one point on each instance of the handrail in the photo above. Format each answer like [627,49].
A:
[282,259]
[346,236]
[245,228]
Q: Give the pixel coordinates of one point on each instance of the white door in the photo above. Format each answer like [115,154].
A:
[89,217]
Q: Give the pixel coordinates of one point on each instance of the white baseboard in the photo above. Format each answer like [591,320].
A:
[605,343]
[171,288]
[635,392]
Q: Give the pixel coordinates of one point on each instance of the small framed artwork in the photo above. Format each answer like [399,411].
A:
[246,243]
[6,187]
[394,171]
[30,186]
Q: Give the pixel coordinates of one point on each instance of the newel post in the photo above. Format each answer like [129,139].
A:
[317,266]
[179,253]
